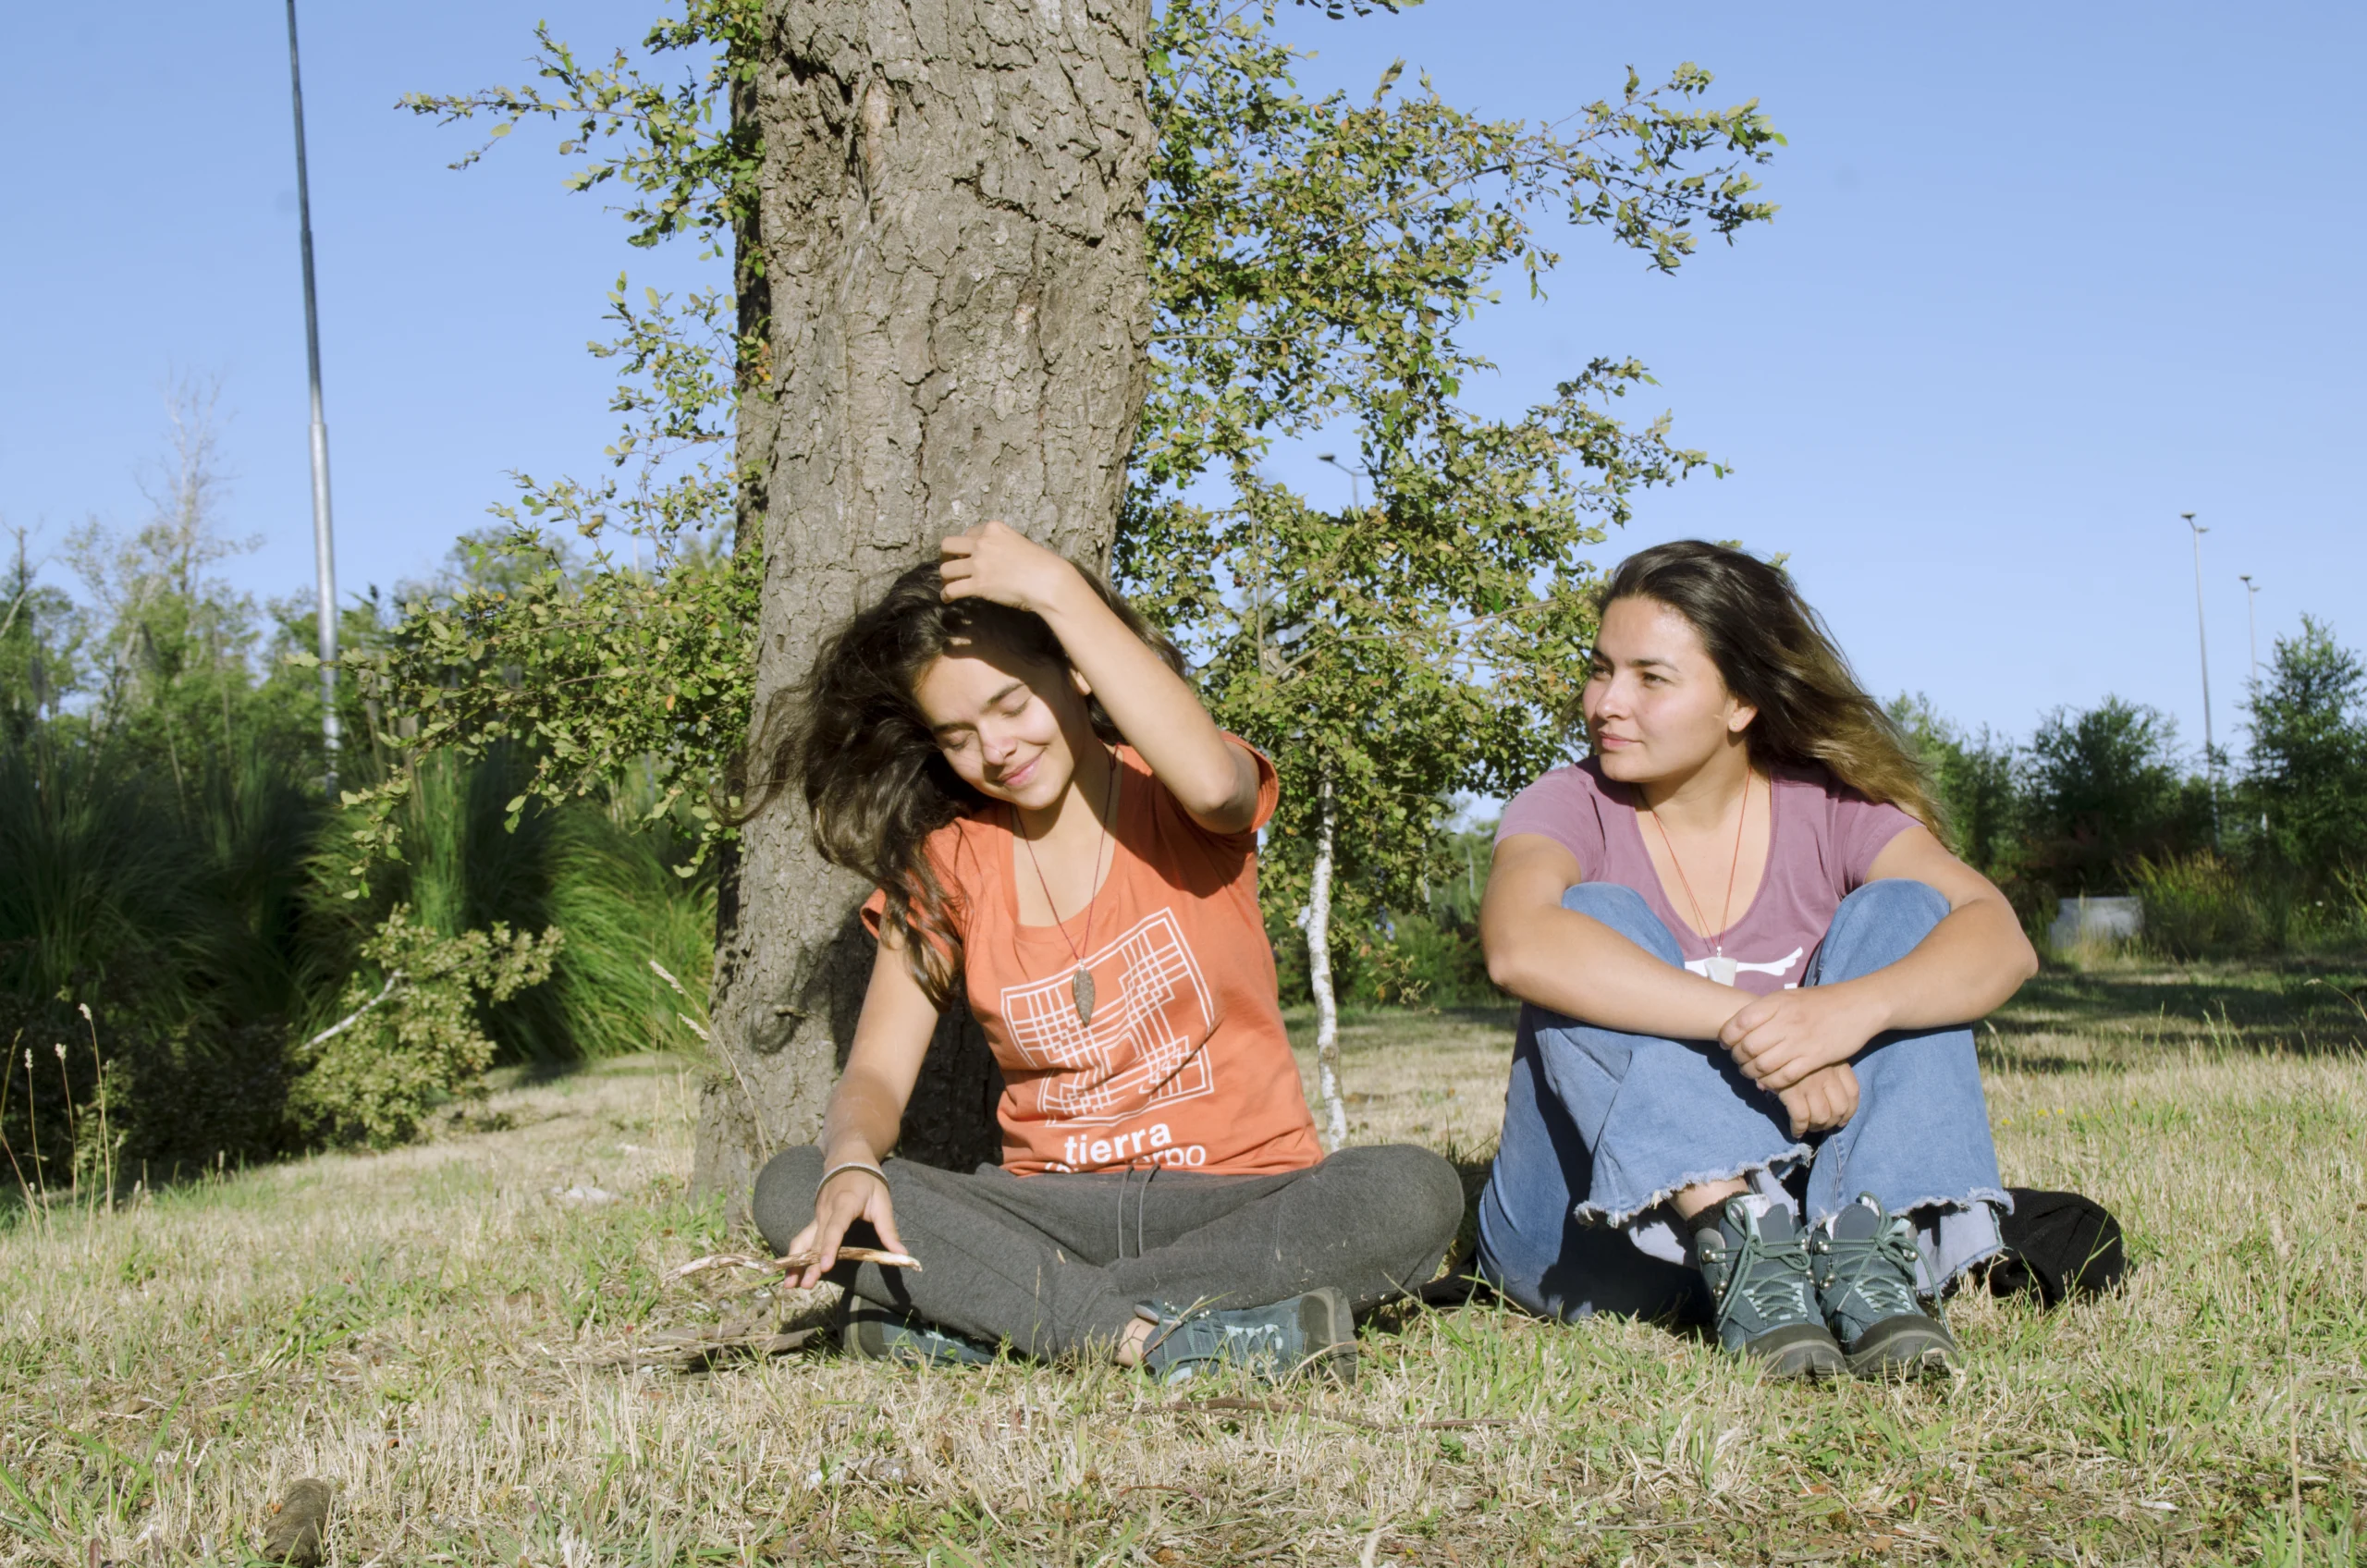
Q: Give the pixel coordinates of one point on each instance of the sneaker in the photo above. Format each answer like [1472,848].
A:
[1310,1333]
[1865,1281]
[876,1333]
[1762,1281]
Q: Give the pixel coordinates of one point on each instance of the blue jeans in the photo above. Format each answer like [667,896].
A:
[1600,1128]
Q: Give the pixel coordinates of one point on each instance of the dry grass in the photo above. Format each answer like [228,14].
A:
[451,1341]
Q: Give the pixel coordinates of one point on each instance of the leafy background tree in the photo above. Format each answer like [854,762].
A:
[1973,781]
[2306,779]
[2105,789]
[41,644]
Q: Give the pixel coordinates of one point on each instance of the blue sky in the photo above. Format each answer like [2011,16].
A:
[2044,277]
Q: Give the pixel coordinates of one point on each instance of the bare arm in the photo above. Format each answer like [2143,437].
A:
[1212,779]
[1578,966]
[1975,959]
[867,1108]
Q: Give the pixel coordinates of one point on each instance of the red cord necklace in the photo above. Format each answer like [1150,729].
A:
[1719,967]
[1081,981]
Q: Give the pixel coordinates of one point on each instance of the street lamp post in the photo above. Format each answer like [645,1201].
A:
[2203,641]
[2251,637]
[2252,624]
[323,541]
[1355,485]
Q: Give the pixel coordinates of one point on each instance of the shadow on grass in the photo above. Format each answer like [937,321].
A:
[2294,1009]
[2299,1007]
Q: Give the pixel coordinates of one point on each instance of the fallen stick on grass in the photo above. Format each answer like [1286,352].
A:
[691,1353]
[794,1262]
[1230,1404]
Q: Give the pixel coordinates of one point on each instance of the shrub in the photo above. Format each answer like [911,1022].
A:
[377,1072]
[1424,960]
[2198,905]
[603,871]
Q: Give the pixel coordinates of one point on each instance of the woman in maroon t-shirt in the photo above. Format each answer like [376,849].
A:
[1746,1066]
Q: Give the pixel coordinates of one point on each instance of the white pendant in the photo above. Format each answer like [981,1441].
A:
[1081,987]
[1721,969]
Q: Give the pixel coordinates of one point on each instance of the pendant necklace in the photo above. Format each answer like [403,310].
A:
[1720,969]
[1081,981]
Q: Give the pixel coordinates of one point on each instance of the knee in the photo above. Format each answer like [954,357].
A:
[1625,910]
[1439,1200]
[1895,901]
[782,1203]
[1876,926]
[1426,1205]
[1609,902]
[1879,925]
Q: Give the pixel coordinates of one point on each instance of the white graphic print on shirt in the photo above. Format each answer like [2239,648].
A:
[1702,966]
[1143,1045]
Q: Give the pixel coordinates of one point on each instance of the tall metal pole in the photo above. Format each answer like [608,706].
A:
[1356,484]
[2203,641]
[2251,634]
[324,540]
[2252,622]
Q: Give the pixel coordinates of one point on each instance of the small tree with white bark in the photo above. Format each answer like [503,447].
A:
[1313,263]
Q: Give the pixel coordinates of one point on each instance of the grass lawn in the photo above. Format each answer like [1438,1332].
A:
[455,1336]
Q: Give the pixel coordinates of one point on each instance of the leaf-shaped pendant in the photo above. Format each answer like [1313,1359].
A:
[1081,987]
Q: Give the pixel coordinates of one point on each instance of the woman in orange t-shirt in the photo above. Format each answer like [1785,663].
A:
[1063,840]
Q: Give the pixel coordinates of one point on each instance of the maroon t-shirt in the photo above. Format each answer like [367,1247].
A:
[1822,846]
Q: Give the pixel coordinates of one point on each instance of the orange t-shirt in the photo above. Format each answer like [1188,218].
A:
[1185,1062]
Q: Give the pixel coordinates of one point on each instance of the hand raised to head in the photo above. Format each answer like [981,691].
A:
[996,561]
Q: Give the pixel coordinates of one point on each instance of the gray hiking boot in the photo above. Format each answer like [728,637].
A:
[876,1333]
[1313,1332]
[1762,1281]
[1865,1280]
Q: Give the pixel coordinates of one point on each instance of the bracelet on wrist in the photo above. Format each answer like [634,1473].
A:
[850,1165]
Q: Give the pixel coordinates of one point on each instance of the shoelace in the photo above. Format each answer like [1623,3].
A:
[1853,1269]
[1786,1293]
[1200,1336]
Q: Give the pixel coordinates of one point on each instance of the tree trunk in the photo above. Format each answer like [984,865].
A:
[1318,974]
[948,270]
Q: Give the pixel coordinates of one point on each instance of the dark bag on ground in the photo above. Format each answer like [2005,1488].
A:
[2060,1244]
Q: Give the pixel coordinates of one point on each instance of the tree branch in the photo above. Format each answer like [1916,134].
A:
[395,979]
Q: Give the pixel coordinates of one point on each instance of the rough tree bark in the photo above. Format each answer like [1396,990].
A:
[955,295]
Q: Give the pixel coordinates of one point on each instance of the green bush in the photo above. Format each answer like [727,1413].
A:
[2201,906]
[598,870]
[1429,961]
[410,1037]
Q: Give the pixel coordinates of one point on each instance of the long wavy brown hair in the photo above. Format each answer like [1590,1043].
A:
[1776,654]
[854,742]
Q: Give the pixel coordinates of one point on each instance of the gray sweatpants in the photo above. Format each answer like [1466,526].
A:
[1054,1264]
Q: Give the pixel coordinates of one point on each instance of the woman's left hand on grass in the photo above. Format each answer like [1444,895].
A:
[1781,1038]
[996,561]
